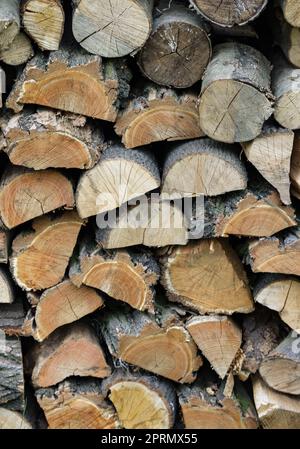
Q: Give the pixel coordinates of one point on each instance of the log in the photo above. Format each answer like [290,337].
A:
[39,258]
[204,405]
[219,339]
[202,167]
[271,153]
[25,194]
[295,166]
[71,350]
[286,36]
[219,284]
[10,420]
[280,293]
[19,51]
[291,12]
[286,89]
[156,114]
[163,224]
[13,319]
[281,368]
[63,304]
[111,28]
[5,240]
[43,21]
[12,377]
[275,410]
[166,349]
[46,81]
[231,12]
[119,177]
[128,276]
[9,22]
[48,139]
[6,287]
[178,49]
[141,401]
[237,75]
[77,404]
[276,254]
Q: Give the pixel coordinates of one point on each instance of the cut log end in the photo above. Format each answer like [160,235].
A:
[10,420]
[19,52]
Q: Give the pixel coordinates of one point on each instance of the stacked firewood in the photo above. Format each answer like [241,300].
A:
[186,319]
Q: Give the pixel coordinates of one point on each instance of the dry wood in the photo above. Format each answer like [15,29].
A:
[11,420]
[39,258]
[128,276]
[19,51]
[281,368]
[219,283]
[97,87]
[270,153]
[119,177]
[77,404]
[280,293]
[111,28]
[205,405]
[276,254]
[44,21]
[9,22]
[165,349]
[6,287]
[156,114]
[218,338]
[236,92]
[48,139]
[5,239]
[275,410]
[202,167]
[286,36]
[291,11]
[71,350]
[25,194]
[141,401]
[13,321]
[231,12]
[178,49]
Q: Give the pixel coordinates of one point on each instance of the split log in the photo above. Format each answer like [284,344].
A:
[286,36]
[281,368]
[178,49]
[44,21]
[166,349]
[219,282]
[71,350]
[39,258]
[11,370]
[77,404]
[5,240]
[46,81]
[280,293]
[127,276]
[291,11]
[218,338]
[6,287]
[11,420]
[162,224]
[111,28]
[271,153]
[9,22]
[236,94]
[286,88]
[202,167]
[46,139]
[158,114]
[141,401]
[19,51]
[25,194]
[275,410]
[63,304]
[255,212]
[204,405]
[276,254]
[231,12]
[120,176]
[295,166]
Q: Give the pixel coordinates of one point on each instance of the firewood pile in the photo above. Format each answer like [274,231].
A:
[149,209]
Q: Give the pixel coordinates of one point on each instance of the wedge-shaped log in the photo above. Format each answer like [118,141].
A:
[120,176]
[219,283]
[77,404]
[236,95]
[39,258]
[48,139]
